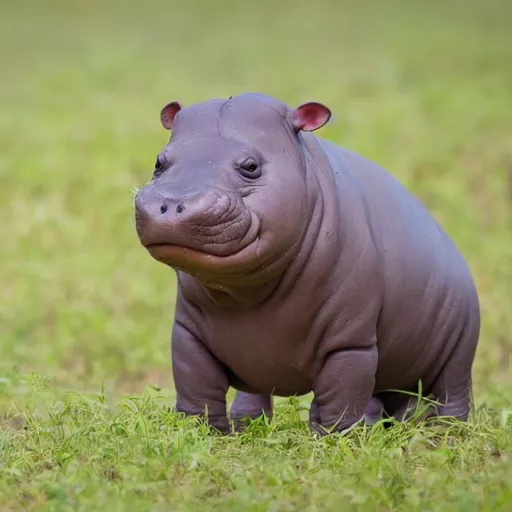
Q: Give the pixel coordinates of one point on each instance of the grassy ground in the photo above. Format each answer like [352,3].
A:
[423,88]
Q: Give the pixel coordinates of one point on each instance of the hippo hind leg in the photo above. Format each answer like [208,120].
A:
[389,405]
[450,398]
[400,406]
[451,390]
[248,406]
[452,387]
[373,411]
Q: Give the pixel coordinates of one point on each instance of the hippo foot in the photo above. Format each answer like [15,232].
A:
[219,424]
[248,407]
[319,429]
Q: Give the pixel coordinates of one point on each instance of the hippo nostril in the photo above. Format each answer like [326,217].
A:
[163,209]
[179,208]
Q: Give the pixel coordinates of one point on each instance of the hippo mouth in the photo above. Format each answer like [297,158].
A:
[196,261]
[195,243]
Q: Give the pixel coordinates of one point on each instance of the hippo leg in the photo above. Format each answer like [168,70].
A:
[390,405]
[452,386]
[373,411]
[400,406]
[200,380]
[343,389]
[249,406]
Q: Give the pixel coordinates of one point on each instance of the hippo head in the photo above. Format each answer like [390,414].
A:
[229,197]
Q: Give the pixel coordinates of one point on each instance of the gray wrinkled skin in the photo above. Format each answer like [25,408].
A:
[324,274]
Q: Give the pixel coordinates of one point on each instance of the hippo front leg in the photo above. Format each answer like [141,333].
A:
[343,389]
[200,380]
[249,406]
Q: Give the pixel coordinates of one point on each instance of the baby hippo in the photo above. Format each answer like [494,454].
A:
[301,267]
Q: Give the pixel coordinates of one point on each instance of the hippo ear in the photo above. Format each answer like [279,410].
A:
[168,113]
[310,116]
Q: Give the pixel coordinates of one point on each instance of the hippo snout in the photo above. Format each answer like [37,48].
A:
[199,208]
[210,220]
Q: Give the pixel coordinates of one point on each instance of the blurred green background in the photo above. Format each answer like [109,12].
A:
[423,88]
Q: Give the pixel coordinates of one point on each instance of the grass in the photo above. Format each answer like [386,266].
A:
[137,454]
[422,88]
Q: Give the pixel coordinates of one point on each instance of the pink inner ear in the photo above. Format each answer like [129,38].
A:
[168,113]
[310,116]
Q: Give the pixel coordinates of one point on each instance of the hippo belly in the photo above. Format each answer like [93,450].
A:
[270,356]
[277,381]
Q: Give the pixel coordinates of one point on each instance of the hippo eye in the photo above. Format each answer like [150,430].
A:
[249,168]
